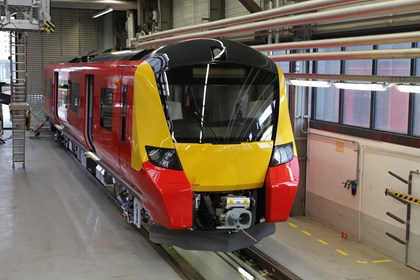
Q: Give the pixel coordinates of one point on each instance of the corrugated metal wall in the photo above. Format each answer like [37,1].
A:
[75,33]
[187,12]
[235,9]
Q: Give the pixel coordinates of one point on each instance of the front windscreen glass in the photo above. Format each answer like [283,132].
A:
[220,104]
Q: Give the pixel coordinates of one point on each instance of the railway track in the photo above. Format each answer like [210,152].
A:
[248,263]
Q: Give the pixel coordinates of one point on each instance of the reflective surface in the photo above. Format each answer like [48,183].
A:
[220,104]
[56,224]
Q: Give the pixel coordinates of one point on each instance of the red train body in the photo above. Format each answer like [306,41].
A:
[211,180]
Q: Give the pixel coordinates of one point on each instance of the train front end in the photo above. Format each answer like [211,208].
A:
[219,167]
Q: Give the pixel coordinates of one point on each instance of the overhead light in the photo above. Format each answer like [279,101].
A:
[408,88]
[103,12]
[310,83]
[366,87]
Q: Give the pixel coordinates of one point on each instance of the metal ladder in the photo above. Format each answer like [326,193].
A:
[18,106]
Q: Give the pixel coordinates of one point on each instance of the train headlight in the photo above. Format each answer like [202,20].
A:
[282,154]
[167,158]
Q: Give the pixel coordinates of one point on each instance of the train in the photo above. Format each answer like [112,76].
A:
[193,139]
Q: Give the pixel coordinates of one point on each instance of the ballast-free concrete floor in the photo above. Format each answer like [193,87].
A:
[315,252]
[56,224]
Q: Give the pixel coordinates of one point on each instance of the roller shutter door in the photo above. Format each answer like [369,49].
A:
[75,33]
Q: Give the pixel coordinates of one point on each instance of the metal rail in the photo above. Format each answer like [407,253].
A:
[265,264]
[170,256]
[248,261]
[401,37]
[336,15]
[263,15]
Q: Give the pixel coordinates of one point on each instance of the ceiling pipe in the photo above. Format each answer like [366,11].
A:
[344,42]
[342,14]
[344,55]
[264,15]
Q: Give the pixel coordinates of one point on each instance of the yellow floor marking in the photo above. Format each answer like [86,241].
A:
[341,252]
[307,233]
[292,225]
[322,242]
[381,261]
[362,262]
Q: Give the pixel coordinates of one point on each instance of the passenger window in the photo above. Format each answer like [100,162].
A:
[106,108]
[74,97]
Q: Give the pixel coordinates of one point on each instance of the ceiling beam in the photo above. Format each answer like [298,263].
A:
[251,6]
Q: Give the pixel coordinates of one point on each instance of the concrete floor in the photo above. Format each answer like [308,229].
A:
[56,224]
[315,252]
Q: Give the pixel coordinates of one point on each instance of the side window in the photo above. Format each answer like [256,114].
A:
[124,113]
[74,97]
[106,108]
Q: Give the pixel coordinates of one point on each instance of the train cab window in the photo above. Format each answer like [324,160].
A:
[74,97]
[221,105]
[106,108]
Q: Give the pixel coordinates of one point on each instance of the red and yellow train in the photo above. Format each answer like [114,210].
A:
[193,138]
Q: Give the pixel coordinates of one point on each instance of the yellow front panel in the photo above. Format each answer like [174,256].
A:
[149,122]
[284,127]
[225,167]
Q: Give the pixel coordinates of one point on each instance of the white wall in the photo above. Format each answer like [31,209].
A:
[363,216]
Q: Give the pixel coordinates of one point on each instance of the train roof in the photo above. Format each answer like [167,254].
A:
[124,55]
[204,51]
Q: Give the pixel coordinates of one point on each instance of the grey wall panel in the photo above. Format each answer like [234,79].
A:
[182,13]
[35,63]
[187,12]
[69,27]
[90,32]
[234,9]
[75,33]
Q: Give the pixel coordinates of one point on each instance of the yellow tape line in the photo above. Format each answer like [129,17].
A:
[362,262]
[381,261]
[307,233]
[341,252]
[322,242]
[292,225]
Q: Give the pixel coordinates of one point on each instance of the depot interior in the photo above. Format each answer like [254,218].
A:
[352,80]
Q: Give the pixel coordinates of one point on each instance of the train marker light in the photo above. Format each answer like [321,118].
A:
[163,157]
[282,154]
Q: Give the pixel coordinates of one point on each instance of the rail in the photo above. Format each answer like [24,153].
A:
[247,263]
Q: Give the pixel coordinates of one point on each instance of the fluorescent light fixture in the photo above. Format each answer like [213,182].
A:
[366,87]
[408,88]
[310,83]
[103,12]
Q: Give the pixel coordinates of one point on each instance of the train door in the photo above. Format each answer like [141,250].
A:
[62,97]
[106,117]
[55,96]
[125,123]
[89,111]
